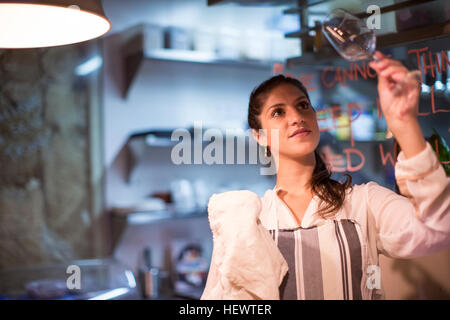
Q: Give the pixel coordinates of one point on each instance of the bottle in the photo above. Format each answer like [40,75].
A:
[318,38]
[149,277]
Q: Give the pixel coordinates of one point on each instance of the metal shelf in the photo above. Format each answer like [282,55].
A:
[204,57]
[432,31]
[147,217]
[135,52]
[393,7]
[435,31]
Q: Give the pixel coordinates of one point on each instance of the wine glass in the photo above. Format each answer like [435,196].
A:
[354,41]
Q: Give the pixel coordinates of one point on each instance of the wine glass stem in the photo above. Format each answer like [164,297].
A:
[375,58]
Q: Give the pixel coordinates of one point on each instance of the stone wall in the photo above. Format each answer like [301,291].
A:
[46,193]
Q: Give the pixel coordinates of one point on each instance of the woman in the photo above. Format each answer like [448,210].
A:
[326,235]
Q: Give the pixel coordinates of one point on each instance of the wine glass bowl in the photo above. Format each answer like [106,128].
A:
[354,40]
[349,35]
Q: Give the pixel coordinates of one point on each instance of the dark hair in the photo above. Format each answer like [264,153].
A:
[329,191]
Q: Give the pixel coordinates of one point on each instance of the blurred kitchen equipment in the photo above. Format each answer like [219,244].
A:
[151,278]
[202,193]
[141,205]
[205,40]
[163,195]
[177,38]
[102,279]
[318,37]
[183,195]
[46,289]
[228,44]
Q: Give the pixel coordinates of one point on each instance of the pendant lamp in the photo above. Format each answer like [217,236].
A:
[36,24]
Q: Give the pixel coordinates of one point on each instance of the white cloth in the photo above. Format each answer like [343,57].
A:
[397,226]
[246,259]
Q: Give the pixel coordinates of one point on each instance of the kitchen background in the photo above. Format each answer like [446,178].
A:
[85,138]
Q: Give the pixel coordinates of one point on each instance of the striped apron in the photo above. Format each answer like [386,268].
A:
[325,261]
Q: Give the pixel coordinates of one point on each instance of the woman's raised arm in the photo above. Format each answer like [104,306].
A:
[400,107]
[417,223]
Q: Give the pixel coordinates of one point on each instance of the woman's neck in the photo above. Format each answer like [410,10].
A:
[294,175]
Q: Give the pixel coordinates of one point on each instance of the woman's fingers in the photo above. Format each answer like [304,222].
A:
[383,64]
[398,76]
[380,55]
[389,71]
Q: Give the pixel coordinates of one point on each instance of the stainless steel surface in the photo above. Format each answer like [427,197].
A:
[99,279]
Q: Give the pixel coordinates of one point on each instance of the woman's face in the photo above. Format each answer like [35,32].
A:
[287,111]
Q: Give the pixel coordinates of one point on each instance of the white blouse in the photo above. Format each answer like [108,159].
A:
[413,225]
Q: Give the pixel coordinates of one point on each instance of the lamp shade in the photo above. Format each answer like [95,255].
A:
[48,23]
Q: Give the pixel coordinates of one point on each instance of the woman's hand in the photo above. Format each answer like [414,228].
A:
[399,106]
[399,94]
